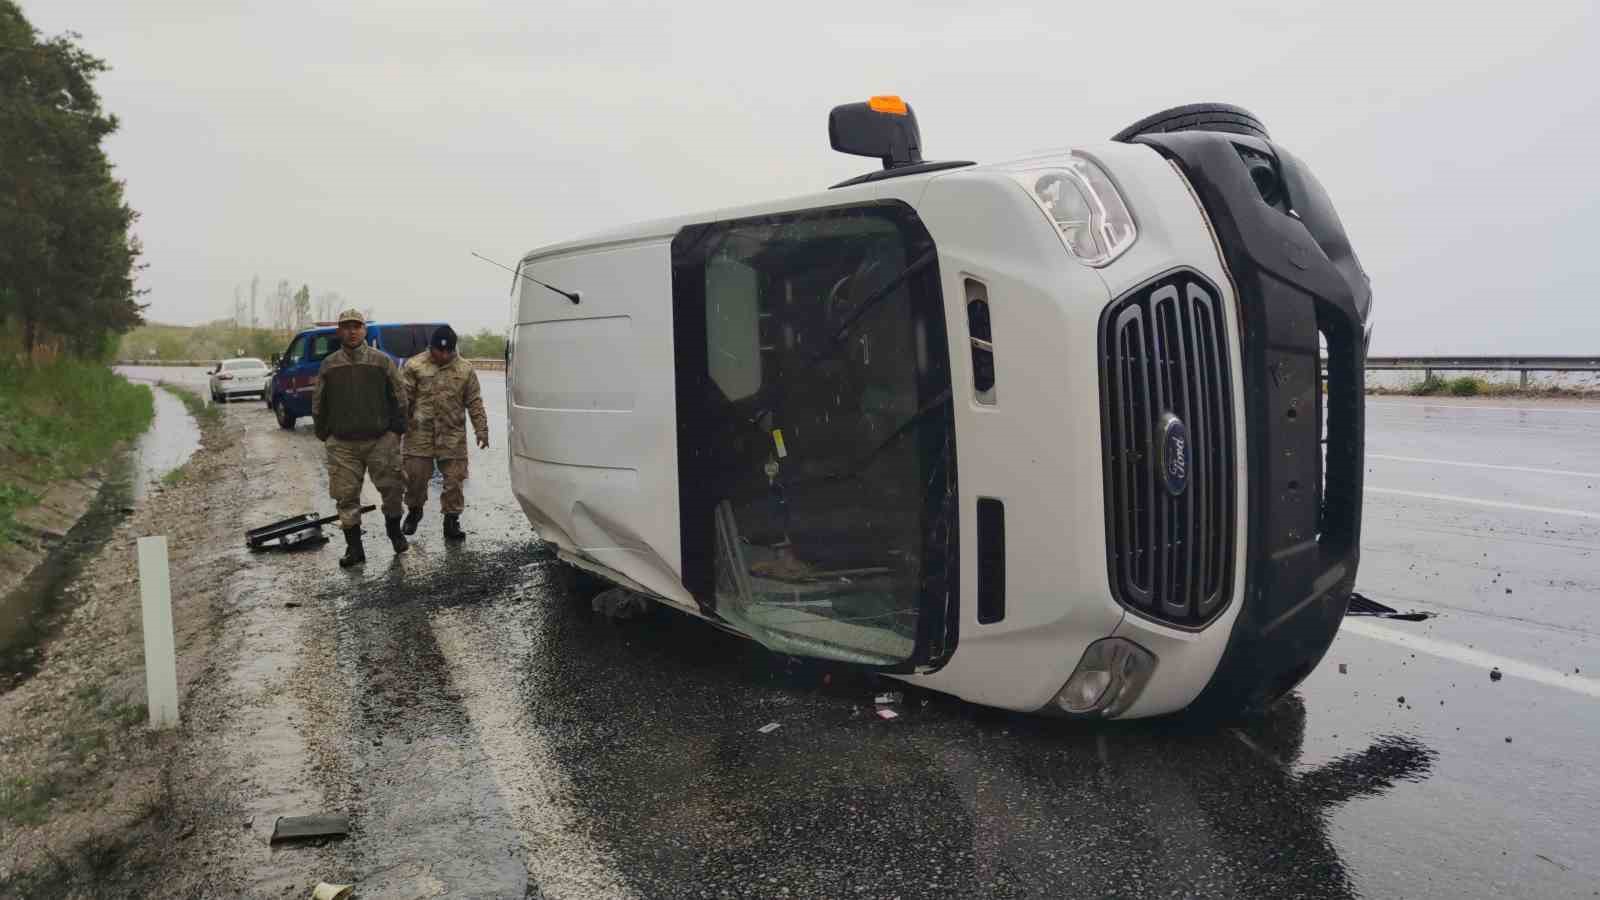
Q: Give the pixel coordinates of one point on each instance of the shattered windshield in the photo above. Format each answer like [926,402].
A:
[824,456]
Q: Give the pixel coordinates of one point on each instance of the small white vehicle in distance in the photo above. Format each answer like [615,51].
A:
[239,377]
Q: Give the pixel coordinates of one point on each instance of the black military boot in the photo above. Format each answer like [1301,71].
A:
[412,518]
[354,553]
[452,527]
[392,526]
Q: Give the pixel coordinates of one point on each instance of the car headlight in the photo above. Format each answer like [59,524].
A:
[1087,210]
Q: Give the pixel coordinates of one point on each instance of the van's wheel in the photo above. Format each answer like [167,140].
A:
[285,419]
[1197,117]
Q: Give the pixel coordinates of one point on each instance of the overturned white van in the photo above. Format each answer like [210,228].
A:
[1079,433]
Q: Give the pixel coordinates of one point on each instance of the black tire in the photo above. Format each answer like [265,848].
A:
[285,420]
[1197,117]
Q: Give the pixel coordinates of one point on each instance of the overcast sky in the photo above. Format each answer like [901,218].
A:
[369,148]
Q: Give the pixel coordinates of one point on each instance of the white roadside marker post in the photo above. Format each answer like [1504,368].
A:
[160,660]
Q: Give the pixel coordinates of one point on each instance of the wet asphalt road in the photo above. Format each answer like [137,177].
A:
[508,743]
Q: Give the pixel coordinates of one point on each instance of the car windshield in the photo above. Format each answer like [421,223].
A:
[243,365]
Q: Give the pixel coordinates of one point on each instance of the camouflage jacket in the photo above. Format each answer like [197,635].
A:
[441,397]
[358,395]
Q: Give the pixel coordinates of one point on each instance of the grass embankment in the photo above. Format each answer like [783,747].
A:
[57,420]
[1476,386]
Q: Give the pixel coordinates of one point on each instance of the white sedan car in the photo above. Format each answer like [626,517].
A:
[235,377]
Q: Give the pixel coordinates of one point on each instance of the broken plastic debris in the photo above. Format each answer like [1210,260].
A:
[1494,674]
[888,699]
[288,828]
[326,891]
[769,728]
[888,714]
[1344,669]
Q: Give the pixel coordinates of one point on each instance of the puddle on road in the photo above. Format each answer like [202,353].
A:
[171,440]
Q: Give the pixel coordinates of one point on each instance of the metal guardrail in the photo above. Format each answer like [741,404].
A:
[1520,364]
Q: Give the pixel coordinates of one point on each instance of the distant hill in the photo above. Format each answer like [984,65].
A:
[216,340]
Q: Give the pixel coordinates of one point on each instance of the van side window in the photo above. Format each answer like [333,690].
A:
[399,341]
[322,345]
[816,430]
[295,353]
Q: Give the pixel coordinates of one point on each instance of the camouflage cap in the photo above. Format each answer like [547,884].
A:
[352,315]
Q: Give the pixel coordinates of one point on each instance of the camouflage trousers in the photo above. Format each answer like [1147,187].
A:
[419,471]
[350,462]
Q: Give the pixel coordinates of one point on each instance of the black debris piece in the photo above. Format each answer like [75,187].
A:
[1362,605]
[1494,674]
[291,828]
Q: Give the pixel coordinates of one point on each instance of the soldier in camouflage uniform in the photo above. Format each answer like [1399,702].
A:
[359,407]
[443,390]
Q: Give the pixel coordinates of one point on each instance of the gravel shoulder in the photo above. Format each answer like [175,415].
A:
[87,793]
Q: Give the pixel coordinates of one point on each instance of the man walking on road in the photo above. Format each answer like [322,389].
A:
[443,390]
[359,407]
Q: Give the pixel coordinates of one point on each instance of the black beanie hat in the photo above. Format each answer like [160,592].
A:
[444,338]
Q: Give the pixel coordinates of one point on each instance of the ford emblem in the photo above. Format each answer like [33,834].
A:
[1172,444]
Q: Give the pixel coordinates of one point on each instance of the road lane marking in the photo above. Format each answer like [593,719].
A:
[1544,409]
[1471,656]
[1494,504]
[1478,465]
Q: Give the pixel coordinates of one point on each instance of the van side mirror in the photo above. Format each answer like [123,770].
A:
[884,127]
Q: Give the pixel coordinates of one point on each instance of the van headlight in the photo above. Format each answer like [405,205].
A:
[1109,678]
[1087,210]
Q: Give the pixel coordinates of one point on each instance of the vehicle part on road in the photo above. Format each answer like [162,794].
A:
[413,516]
[292,532]
[290,828]
[1362,605]
[452,528]
[391,525]
[354,553]
[326,891]
[1078,434]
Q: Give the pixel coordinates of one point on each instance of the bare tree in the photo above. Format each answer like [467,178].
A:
[283,306]
[327,306]
[255,283]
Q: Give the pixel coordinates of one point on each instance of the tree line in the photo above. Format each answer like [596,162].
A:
[68,256]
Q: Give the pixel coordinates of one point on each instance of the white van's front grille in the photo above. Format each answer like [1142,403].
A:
[1167,424]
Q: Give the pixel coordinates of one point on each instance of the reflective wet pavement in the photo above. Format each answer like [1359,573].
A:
[507,742]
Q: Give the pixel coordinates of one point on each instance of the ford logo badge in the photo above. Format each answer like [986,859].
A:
[1172,445]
